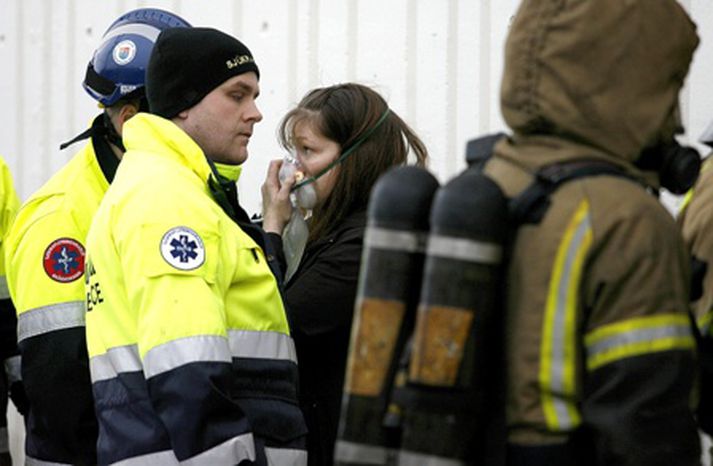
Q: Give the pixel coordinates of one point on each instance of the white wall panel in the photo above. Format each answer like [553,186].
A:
[699,91]
[437,62]
[430,77]
[269,27]
[10,87]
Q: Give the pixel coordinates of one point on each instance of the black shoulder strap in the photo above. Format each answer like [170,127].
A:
[531,204]
[478,151]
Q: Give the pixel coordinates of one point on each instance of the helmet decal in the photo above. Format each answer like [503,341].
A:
[118,65]
[124,52]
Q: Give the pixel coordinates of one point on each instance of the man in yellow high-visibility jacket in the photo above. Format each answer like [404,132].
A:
[190,353]
[45,250]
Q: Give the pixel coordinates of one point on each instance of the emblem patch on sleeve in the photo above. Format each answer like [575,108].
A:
[183,248]
[64,260]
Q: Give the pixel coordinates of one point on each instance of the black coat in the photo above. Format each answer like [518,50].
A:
[320,304]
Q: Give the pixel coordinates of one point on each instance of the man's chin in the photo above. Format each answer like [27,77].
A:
[240,159]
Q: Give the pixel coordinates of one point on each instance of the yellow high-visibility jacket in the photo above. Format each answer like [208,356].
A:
[45,270]
[9,204]
[190,352]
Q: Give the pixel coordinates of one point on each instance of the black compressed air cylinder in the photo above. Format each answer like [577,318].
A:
[455,367]
[385,309]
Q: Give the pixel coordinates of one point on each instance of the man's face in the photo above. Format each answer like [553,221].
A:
[222,123]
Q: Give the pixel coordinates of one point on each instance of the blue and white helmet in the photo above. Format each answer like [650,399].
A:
[118,68]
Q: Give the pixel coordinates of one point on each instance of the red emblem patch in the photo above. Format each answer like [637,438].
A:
[64,260]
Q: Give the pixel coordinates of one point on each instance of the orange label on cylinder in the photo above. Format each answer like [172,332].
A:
[373,341]
[441,334]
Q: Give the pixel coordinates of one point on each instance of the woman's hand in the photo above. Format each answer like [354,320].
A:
[276,205]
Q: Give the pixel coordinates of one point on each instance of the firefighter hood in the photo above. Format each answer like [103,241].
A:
[601,74]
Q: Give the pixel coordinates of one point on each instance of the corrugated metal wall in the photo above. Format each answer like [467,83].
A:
[438,63]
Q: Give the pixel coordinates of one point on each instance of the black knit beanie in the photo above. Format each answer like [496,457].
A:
[188,63]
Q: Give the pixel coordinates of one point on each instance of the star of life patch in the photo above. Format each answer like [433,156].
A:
[63,260]
[183,248]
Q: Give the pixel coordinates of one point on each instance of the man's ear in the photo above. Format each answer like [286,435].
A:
[125,113]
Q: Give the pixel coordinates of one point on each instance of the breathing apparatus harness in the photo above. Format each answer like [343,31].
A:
[677,167]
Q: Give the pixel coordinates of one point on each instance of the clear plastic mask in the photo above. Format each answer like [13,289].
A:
[294,236]
[304,196]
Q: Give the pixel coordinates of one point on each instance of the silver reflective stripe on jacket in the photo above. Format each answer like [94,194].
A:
[176,353]
[351,452]
[35,462]
[265,345]
[558,347]
[285,457]
[233,451]
[410,458]
[50,318]
[637,336]
[4,290]
[113,362]
[213,348]
[161,458]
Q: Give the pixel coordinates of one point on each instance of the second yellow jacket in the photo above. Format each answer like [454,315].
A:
[190,352]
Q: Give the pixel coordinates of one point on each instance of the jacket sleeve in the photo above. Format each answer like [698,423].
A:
[52,343]
[8,328]
[275,245]
[638,347]
[9,204]
[183,344]
[696,222]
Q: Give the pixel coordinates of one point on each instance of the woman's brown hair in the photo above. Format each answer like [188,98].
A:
[345,113]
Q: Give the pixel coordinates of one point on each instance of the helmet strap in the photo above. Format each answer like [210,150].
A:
[111,134]
[102,128]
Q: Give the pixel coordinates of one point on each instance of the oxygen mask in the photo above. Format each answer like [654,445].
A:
[303,193]
[303,198]
[677,166]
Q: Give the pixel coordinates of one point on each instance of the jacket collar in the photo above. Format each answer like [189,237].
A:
[146,132]
[107,160]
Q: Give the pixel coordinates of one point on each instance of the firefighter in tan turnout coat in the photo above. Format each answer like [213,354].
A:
[600,355]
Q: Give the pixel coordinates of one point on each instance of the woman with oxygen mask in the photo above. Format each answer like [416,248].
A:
[303,198]
[340,140]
